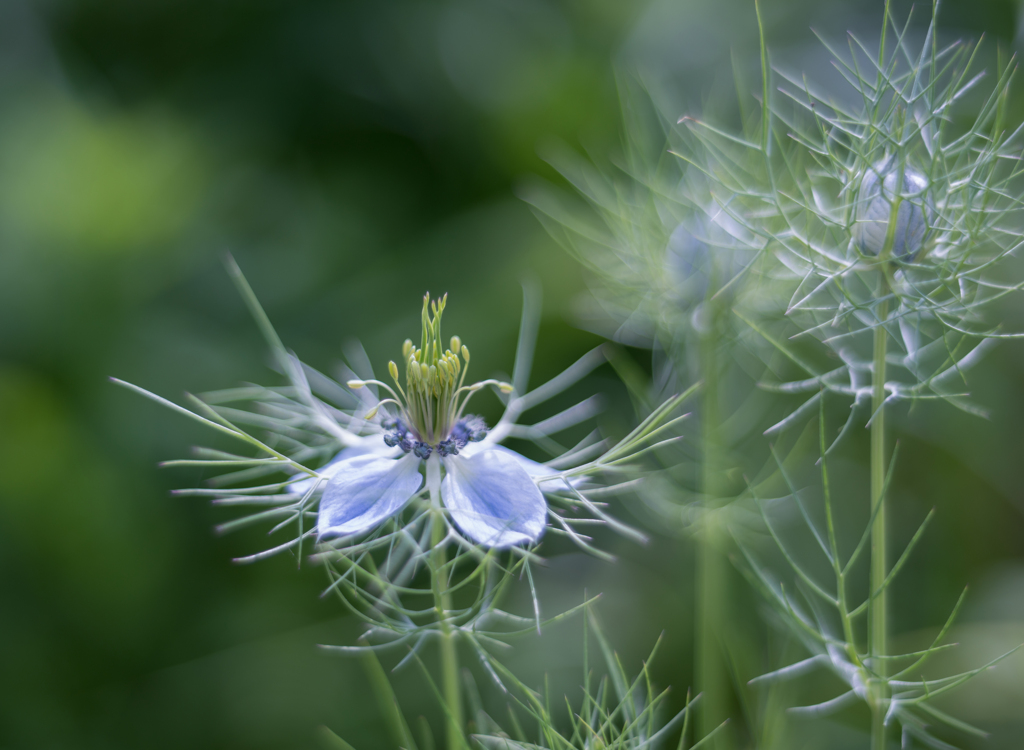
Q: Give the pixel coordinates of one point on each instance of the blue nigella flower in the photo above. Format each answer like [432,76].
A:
[489,491]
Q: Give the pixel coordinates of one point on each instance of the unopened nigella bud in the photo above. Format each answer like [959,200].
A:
[878,192]
[686,260]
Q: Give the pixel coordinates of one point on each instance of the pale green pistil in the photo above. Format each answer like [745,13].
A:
[433,378]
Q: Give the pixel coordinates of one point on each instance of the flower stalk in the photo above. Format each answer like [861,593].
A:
[878,615]
[450,684]
[712,583]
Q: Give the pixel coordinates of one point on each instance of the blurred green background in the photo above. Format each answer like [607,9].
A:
[351,156]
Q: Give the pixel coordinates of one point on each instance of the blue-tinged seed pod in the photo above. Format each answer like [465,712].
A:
[874,208]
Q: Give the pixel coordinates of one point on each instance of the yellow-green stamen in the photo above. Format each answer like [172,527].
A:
[435,395]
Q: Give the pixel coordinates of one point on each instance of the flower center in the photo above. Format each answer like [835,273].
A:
[470,429]
[430,406]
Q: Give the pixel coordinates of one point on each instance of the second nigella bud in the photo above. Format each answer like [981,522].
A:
[703,249]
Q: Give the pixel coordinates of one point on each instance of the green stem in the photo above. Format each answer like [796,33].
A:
[877,610]
[450,684]
[712,571]
[710,668]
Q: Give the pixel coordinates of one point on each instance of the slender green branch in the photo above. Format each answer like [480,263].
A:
[712,570]
[878,614]
[450,684]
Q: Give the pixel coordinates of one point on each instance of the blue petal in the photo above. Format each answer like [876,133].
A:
[493,500]
[327,471]
[533,468]
[365,491]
